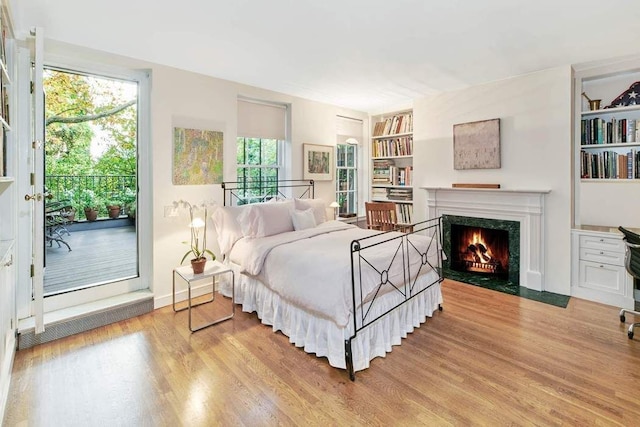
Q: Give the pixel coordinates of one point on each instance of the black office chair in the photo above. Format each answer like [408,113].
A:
[632,263]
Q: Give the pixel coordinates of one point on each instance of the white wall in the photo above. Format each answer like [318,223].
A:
[185,94]
[535,128]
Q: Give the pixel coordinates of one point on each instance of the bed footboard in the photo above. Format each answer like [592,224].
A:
[399,272]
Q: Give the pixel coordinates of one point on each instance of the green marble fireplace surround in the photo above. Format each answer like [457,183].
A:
[512,227]
[510,285]
[519,210]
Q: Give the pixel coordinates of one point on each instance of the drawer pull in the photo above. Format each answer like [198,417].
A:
[602,240]
[601,253]
[601,266]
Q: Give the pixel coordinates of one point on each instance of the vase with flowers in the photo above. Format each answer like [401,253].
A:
[198,243]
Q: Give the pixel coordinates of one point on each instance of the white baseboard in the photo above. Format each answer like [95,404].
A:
[181,295]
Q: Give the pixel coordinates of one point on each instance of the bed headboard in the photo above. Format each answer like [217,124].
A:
[246,192]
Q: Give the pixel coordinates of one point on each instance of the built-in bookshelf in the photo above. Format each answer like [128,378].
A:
[392,162]
[609,136]
[607,144]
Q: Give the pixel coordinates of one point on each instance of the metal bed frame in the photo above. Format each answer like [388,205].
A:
[235,194]
[404,246]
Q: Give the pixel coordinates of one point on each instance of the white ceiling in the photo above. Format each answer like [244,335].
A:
[368,55]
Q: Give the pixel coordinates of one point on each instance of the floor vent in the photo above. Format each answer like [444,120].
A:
[29,338]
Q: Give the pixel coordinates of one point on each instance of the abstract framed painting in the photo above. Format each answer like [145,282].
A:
[318,162]
[476,145]
[197,156]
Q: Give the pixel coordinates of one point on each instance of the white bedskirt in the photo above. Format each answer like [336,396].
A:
[323,337]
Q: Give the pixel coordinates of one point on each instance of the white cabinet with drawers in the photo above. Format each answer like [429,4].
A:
[598,272]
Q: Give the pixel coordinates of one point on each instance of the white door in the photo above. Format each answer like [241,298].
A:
[36,197]
[35,300]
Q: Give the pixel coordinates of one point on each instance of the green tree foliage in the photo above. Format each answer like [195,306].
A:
[257,162]
[81,111]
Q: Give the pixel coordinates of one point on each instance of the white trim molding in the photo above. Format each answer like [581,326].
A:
[524,206]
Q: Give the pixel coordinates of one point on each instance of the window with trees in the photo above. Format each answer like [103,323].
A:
[346,181]
[258,162]
[348,134]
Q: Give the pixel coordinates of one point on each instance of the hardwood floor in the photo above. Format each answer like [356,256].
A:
[487,359]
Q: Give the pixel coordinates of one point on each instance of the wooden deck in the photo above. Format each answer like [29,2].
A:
[96,256]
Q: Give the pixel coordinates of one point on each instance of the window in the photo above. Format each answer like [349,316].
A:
[346,181]
[348,133]
[261,147]
[258,164]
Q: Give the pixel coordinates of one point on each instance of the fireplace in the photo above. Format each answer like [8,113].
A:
[484,247]
[480,250]
[524,208]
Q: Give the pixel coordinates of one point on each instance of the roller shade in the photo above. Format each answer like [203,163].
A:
[348,128]
[261,120]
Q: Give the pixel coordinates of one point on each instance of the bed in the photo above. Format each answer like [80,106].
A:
[336,290]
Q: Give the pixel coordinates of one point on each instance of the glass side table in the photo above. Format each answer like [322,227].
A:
[211,270]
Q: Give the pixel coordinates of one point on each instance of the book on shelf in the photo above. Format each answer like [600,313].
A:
[386,172]
[382,170]
[610,165]
[379,194]
[392,147]
[404,213]
[400,194]
[404,194]
[615,131]
[399,123]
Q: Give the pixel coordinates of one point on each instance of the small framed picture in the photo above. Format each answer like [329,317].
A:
[318,162]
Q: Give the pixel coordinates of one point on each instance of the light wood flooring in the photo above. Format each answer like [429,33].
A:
[488,359]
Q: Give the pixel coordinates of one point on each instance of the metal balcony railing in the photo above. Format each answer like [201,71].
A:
[102,188]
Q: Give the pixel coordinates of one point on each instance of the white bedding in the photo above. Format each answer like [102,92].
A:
[321,336]
[311,268]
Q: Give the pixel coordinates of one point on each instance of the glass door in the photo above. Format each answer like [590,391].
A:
[91,231]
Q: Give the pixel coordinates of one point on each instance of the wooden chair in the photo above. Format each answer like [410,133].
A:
[381,216]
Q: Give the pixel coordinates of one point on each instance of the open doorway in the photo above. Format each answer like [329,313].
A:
[90,177]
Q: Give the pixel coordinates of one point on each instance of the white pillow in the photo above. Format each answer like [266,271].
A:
[266,219]
[228,230]
[303,219]
[318,205]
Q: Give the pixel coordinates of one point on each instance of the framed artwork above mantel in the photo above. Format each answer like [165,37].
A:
[476,145]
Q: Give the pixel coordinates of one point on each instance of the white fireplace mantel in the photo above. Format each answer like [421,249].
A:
[523,206]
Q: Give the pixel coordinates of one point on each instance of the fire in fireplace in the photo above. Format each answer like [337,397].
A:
[480,250]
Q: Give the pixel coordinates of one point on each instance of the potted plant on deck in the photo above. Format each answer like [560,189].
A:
[114,207]
[198,243]
[91,204]
[129,204]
